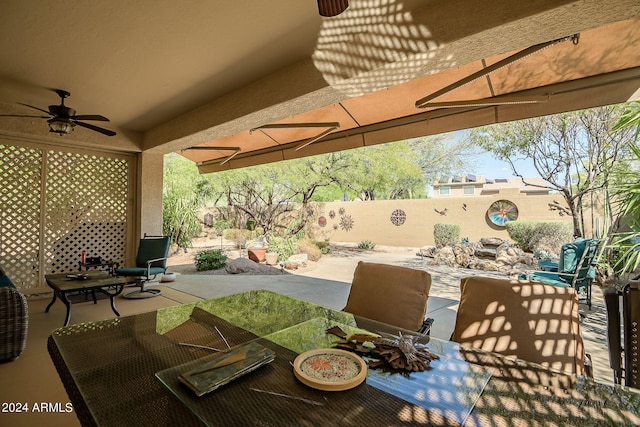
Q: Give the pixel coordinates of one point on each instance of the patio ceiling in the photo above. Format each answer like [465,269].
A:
[175,75]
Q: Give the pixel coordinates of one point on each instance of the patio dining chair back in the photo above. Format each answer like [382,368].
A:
[575,269]
[391,294]
[151,261]
[525,320]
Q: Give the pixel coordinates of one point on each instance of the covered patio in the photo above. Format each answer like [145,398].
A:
[233,85]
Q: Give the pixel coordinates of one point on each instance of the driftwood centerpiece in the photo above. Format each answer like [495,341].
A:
[401,352]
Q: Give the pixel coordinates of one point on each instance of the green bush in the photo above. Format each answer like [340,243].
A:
[366,244]
[531,236]
[210,260]
[446,234]
[323,246]
[521,232]
[284,246]
[220,225]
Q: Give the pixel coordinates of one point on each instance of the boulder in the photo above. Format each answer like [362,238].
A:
[446,256]
[241,265]
[492,241]
[485,253]
[428,251]
[300,259]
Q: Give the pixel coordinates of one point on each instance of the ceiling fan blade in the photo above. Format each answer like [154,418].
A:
[22,115]
[95,128]
[36,108]
[90,117]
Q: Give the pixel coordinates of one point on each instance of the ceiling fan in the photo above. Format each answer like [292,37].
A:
[63,119]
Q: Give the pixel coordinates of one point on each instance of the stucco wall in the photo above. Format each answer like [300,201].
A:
[358,221]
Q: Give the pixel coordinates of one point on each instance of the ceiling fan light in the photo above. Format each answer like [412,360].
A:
[60,126]
[331,8]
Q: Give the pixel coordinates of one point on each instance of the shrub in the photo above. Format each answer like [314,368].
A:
[366,244]
[533,236]
[220,225]
[239,235]
[323,246]
[210,260]
[446,234]
[550,236]
[521,232]
[284,246]
[307,246]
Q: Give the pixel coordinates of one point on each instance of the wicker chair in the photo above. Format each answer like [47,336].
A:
[14,319]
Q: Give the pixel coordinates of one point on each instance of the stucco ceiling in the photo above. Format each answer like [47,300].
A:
[173,75]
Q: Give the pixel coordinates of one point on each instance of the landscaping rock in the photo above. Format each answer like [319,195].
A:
[300,259]
[490,254]
[492,241]
[428,251]
[242,265]
[483,252]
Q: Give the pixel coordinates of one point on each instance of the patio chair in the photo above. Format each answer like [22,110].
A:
[520,319]
[14,320]
[391,294]
[575,269]
[151,261]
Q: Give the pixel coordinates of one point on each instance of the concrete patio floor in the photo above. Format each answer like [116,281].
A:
[328,282]
[32,377]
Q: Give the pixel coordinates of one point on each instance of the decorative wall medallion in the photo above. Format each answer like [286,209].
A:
[341,211]
[332,214]
[346,222]
[502,211]
[398,217]
[322,221]
[335,226]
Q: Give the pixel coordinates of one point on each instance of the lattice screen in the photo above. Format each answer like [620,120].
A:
[82,200]
[85,209]
[20,178]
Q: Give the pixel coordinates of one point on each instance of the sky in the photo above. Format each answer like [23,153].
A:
[491,168]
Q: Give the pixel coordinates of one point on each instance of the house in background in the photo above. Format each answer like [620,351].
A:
[478,185]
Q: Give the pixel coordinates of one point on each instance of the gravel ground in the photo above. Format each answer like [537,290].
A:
[183,262]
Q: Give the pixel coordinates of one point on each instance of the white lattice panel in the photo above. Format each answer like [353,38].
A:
[86,209]
[54,205]
[20,183]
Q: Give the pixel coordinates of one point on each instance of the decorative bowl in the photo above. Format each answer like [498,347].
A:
[330,369]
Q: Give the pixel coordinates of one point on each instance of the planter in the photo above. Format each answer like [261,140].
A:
[256,254]
[271,258]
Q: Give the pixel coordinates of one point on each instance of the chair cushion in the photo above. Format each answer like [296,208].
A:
[547,277]
[390,294]
[526,320]
[5,282]
[570,254]
[137,271]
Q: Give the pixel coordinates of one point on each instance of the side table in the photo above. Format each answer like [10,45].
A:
[63,284]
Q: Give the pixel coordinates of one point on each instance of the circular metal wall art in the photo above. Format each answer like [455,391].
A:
[322,221]
[398,217]
[502,211]
[346,222]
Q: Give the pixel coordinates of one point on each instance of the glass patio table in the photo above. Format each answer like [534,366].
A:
[125,369]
